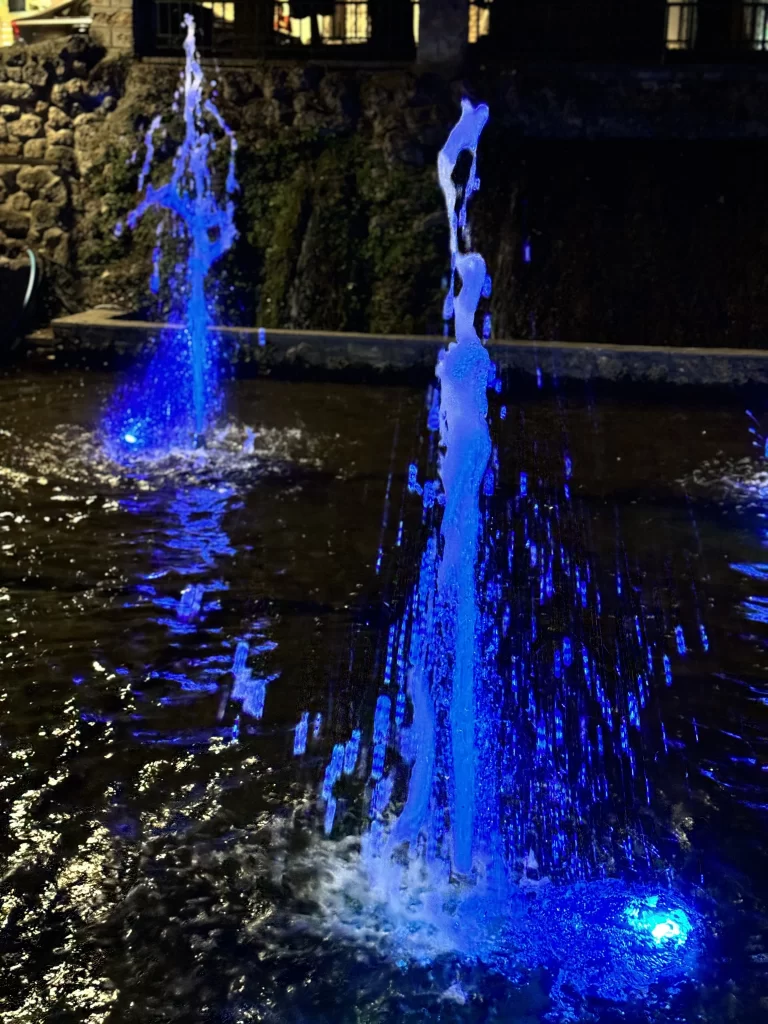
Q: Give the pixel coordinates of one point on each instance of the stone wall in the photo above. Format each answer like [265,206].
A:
[339,215]
[112,26]
[616,207]
[50,98]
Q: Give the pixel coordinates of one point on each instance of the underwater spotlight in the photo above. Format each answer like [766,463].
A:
[668,929]
[658,926]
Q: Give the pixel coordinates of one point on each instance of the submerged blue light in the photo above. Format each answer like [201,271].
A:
[660,926]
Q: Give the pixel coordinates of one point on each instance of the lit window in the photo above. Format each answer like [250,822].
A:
[479,19]
[681,24]
[756,25]
[222,11]
[345,21]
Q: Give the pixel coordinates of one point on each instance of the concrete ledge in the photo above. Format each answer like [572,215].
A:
[99,333]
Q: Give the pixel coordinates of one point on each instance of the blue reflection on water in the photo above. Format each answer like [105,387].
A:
[187,547]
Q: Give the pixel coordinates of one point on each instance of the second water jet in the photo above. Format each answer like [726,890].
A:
[177,398]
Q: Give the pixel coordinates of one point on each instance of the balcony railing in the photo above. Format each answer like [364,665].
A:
[717,29]
[569,30]
[388,30]
[163,31]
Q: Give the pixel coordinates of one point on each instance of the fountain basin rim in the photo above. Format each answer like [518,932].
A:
[108,329]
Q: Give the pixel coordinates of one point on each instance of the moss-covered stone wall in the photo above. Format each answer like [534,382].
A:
[615,207]
[339,212]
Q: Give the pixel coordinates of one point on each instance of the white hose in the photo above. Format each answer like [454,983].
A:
[32,276]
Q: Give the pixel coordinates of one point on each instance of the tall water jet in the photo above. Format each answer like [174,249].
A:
[464,374]
[445,823]
[179,396]
[443,677]
[502,711]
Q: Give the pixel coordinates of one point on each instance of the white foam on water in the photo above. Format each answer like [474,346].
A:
[235,453]
[414,914]
[744,481]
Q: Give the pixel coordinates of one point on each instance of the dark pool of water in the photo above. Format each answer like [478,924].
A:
[160,849]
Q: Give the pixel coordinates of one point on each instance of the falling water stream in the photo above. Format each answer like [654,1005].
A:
[176,399]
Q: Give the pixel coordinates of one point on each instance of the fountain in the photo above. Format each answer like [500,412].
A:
[177,399]
[516,704]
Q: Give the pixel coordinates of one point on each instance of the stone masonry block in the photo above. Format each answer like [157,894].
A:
[35,179]
[28,126]
[34,149]
[14,223]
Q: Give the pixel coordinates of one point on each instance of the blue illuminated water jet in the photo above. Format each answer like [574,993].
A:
[518,719]
[444,741]
[464,376]
[178,397]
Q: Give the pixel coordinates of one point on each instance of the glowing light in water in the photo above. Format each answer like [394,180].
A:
[662,927]
[178,396]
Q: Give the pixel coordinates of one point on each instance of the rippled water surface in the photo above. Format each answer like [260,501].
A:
[161,848]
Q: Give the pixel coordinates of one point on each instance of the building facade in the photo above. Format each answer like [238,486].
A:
[640,31]
[10,9]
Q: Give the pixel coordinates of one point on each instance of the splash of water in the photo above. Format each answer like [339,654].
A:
[179,395]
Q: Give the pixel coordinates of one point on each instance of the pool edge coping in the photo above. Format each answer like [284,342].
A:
[104,329]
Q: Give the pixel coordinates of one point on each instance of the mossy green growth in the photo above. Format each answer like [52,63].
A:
[406,249]
[332,235]
[330,287]
[289,213]
[274,180]
[342,240]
